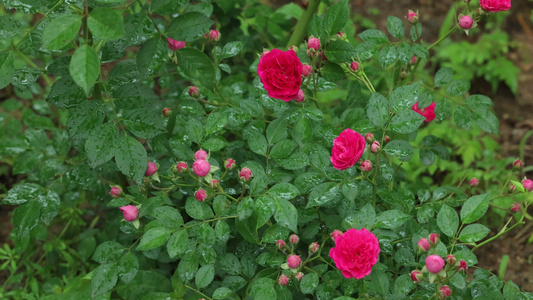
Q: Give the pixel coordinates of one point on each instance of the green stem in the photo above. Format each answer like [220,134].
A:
[444,37]
[502,232]
[301,27]
[31,63]
[197,291]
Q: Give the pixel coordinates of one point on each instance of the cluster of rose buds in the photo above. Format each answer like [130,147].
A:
[424,244]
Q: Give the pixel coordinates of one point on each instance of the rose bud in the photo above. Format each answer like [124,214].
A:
[245,174]
[200,154]
[335,234]
[313,43]
[375,146]
[528,184]
[412,17]
[450,259]
[474,181]
[423,245]
[342,35]
[200,195]
[354,66]
[174,45]
[434,263]
[294,261]
[182,167]
[299,97]
[307,69]
[434,238]
[366,165]
[283,280]
[130,212]
[466,22]
[299,276]
[387,139]
[313,248]
[416,275]
[151,169]
[229,164]
[293,48]
[518,164]
[369,137]
[116,192]
[265,52]
[515,207]
[214,183]
[462,265]
[167,112]
[512,187]
[201,167]
[294,239]
[445,291]
[193,91]
[280,244]
[413,60]
[213,35]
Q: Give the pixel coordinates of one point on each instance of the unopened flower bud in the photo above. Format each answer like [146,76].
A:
[294,261]
[200,154]
[412,17]
[375,146]
[130,212]
[182,167]
[434,263]
[518,164]
[445,291]
[366,165]
[528,184]
[299,97]
[245,174]
[299,276]
[512,187]
[116,192]
[423,245]
[229,163]
[294,239]
[167,112]
[200,195]
[466,22]
[283,280]
[313,248]
[387,139]
[193,91]
[335,234]
[265,52]
[369,137]
[474,181]
[450,259]
[174,45]
[293,48]
[354,66]
[213,35]
[462,265]
[313,43]
[280,244]
[306,70]
[151,169]
[214,183]
[342,35]
[515,207]
[413,60]
[416,275]
[434,238]
[201,167]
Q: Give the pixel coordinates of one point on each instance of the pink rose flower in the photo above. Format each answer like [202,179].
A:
[412,17]
[528,184]
[151,169]
[474,181]
[466,22]
[213,35]
[354,66]
[193,91]
[294,261]
[200,195]
[175,45]
[299,276]
[428,112]
[167,112]
[375,146]
[201,167]
[200,154]
[518,164]
[130,212]
[434,263]
[355,253]
[348,148]
[281,74]
[495,5]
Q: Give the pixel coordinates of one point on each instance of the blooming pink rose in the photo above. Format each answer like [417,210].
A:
[200,195]
[151,169]
[294,261]
[434,263]
[495,5]
[355,252]
[200,154]
[281,74]
[130,212]
[428,112]
[201,167]
[175,45]
[466,22]
[348,148]
[528,184]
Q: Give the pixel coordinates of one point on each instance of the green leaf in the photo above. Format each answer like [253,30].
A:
[100,146]
[7,68]
[85,67]
[387,56]
[443,77]
[316,26]
[309,283]
[406,121]
[195,130]
[106,23]
[276,131]
[427,157]
[400,149]
[153,238]
[420,51]
[65,93]
[324,194]
[206,234]
[285,191]
[205,276]
[405,53]
[264,209]
[374,35]
[60,31]
[151,55]
[487,120]
[131,158]
[214,144]
[447,220]
[363,218]
[198,210]
[379,282]
[222,293]
[247,228]
[178,243]
[336,17]
[302,131]
[404,97]
[391,219]
[332,72]
[274,233]
[297,160]
[286,214]
[144,124]
[511,291]
[128,265]
[258,143]
[339,51]
[26,217]
[196,65]
[215,122]
[108,252]
[478,102]
[378,109]
[230,263]
[189,27]
[283,149]
[395,27]
[473,233]
[463,117]
[27,162]
[22,193]
[474,208]
[231,49]
[168,216]
[458,87]
[104,278]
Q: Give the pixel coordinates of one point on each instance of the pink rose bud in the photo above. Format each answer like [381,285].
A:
[375,146]
[462,265]
[412,17]
[416,275]
[354,66]
[214,183]
[167,112]
[116,192]
[413,60]
[387,139]
[434,238]
[313,43]
[307,69]
[512,187]
[445,291]
[313,248]
[130,212]
[434,263]
[182,166]
[294,48]
[518,164]
[528,184]
[265,52]
[175,45]
[201,167]
[299,97]
[342,35]
[423,245]
[369,137]
[294,261]
[229,164]
[294,239]
[466,22]
[474,181]
[213,35]
[151,169]
[283,280]
[366,165]
[200,195]
[299,276]
[200,154]
[245,174]
[450,259]
[335,234]
[193,91]
[280,244]
[515,207]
